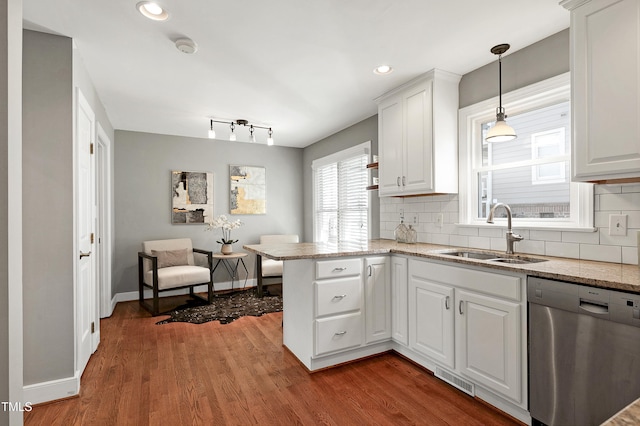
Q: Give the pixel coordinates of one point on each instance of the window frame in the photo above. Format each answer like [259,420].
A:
[360,149]
[538,95]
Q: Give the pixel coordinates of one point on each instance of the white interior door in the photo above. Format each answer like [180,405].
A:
[85,277]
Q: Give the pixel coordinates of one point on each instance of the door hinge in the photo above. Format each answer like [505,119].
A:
[93,327]
[91,148]
[92,238]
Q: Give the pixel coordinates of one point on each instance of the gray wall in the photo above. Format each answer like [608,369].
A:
[544,59]
[48,207]
[366,130]
[143,163]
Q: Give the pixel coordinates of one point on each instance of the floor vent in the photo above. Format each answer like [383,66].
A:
[456,381]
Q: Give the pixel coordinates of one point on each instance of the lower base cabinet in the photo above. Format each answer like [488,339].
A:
[472,323]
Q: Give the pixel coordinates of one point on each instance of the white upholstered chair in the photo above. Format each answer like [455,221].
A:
[170,264]
[269,271]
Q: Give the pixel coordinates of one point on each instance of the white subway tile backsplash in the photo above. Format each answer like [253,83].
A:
[609,199]
[629,240]
[627,201]
[630,255]
[581,237]
[480,242]
[545,235]
[490,232]
[607,189]
[553,248]
[601,252]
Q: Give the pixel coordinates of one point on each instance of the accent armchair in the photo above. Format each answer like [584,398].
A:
[268,269]
[168,265]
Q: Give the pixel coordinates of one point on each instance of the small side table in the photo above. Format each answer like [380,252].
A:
[227,260]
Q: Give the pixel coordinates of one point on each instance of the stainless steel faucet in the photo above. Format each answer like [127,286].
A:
[511,237]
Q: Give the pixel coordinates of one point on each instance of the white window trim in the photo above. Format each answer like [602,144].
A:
[363,148]
[547,92]
[560,177]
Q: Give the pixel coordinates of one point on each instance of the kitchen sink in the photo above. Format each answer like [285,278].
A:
[493,257]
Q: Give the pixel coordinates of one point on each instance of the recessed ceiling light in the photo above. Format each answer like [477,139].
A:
[383,69]
[152,11]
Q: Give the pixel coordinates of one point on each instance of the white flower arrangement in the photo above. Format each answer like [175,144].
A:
[226,225]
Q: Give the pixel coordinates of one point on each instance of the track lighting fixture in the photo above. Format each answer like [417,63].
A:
[501,131]
[244,123]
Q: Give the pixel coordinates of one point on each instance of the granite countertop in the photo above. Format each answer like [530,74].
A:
[599,274]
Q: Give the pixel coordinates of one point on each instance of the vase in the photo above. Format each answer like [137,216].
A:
[226,249]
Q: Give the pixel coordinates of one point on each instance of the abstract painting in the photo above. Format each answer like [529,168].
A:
[248,190]
[192,197]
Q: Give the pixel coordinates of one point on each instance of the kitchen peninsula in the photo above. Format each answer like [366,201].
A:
[461,313]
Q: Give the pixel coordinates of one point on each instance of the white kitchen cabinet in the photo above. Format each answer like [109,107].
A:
[377,296]
[472,323]
[417,128]
[431,318]
[399,300]
[605,67]
[488,343]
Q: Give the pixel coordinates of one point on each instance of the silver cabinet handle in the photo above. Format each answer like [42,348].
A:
[82,254]
[446,303]
[398,181]
[460,307]
[404,181]
[341,333]
[370,270]
[339,269]
[340,296]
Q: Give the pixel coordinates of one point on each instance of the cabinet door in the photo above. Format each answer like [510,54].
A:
[390,146]
[488,342]
[431,319]
[399,304]
[605,37]
[418,140]
[377,299]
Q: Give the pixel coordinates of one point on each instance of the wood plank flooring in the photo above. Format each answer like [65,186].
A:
[240,374]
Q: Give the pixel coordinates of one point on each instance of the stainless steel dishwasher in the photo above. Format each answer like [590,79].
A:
[584,352]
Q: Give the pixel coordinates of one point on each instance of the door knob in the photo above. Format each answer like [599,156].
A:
[84,254]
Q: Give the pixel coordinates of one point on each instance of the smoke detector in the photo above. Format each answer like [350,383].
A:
[186,45]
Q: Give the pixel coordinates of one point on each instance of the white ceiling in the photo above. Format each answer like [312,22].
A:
[302,67]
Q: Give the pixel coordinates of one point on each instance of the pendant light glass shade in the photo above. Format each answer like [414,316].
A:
[501,131]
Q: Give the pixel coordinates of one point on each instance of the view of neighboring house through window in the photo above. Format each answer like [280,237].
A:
[341,200]
[532,173]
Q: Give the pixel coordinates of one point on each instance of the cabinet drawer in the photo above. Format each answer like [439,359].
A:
[339,295]
[338,268]
[338,333]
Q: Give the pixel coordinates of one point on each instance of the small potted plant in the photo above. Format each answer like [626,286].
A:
[226,226]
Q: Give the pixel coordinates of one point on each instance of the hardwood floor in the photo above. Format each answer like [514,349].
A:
[240,374]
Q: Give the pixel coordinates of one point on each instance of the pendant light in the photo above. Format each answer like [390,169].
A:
[501,131]
[212,133]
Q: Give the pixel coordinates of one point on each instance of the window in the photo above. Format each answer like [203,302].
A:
[531,173]
[341,199]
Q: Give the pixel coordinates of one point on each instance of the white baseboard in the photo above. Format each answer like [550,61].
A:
[51,391]
[133,295]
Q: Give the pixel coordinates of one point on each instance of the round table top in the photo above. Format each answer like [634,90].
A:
[234,255]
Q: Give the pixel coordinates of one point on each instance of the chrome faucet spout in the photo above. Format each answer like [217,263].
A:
[511,237]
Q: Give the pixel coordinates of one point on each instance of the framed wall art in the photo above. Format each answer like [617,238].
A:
[192,197]
[248,192]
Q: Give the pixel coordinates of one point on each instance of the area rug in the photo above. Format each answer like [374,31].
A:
[225,309]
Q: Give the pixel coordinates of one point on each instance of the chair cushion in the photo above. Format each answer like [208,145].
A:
[278,239]
[271,268]
[173,244]
[179,276]
[167,258]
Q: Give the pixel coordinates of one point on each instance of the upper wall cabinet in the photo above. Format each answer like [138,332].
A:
[605,66]
[417,132]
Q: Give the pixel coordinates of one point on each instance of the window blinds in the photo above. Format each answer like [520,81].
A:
[341,200]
